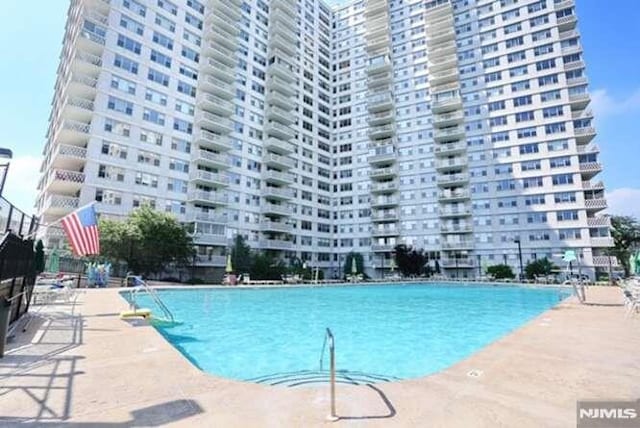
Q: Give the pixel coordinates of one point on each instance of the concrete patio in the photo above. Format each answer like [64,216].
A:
[79,365]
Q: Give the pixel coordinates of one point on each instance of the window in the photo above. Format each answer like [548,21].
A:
[120,105]
[168,6]
[190,53]
[163,40]
[117,127]
[134,6]
[108,197]
[187,89]
[178,165]
[533,165]
[125,64]
[546,64]
[527,132]
[554,128]
[536,217]
[131,25]
[182,126]
[562,179]
[129,44]
[156,97]
[185,108]
[153,116]
[151,137]
[148,158]
[123,85]
[534,200]
[113,149]
[145,179]
[158,77]
[522,101]
[550,96]
[111,173]
[165,23]
[532,182]
[564,197]
[526,149]
[160,58]
[524,116]
[192,20]
[558,145]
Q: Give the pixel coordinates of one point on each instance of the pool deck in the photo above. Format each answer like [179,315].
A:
[79,365]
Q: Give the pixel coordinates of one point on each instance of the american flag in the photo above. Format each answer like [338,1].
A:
[81,228]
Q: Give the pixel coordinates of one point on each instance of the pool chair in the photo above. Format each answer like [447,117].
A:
[46,294]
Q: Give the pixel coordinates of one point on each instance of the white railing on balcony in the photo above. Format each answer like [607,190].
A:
[90,58]
[590,167]
[203,259]
[378,187]
[586,185]
[275,208]
[595,203]
[605,261]
[65,175]
[203,195]
[599,222]
[602,242]
[208,217]
[209,176]
[59,201]
[384,215]
[585,131]
[70,151]
[276,244]
[282,192]
[380,172]
[212,157]
[276,226]
[451,178]
[282,160]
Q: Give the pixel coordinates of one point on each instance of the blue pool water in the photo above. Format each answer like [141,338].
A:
[401,331]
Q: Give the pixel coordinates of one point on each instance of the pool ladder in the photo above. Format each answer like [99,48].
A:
[328,338]
[155,297]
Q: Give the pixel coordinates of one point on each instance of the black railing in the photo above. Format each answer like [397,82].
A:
[16,221]
[17,275]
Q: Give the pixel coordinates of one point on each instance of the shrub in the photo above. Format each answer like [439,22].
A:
[500,272]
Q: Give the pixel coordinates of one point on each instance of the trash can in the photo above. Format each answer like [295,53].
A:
[5,313]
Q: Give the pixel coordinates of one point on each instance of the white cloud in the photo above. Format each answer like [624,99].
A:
[603,104]
[624,201]
[20,187]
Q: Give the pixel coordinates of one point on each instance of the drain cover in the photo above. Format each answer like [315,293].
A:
[475,373]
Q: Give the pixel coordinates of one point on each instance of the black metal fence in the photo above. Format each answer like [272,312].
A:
[17,275]
[15,221]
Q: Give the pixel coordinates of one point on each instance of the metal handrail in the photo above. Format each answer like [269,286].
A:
[156,299]
[332,370]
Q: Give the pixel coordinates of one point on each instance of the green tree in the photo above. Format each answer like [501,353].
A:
[625,231]
[148,241]
[410,261]
[540,267]
[500,271]
[38,261]
[267,267]
[349,260]
[241,256]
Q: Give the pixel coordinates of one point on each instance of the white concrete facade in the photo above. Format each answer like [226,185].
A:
[455,127]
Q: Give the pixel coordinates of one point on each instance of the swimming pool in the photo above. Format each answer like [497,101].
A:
[397,331]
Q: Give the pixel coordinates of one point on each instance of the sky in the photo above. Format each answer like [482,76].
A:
[31,38]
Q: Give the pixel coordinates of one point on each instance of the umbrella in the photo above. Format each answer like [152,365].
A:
[637,272]
[54,261]
[569,256]
[392,264]
[229,267]
[354,266]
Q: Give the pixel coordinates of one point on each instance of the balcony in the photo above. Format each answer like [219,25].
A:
[586,185]
[574,65]
[217,20]
[383,248]
[582,114]
[277,161]
[214,104]
[596,204]
[77,108]
[448,134]
[457,263]
[73,132]
[64,181]
[447,180]
[446,105]
[282,86]
[82,86]
[584,135]
[278,99]
[571,34]
[275,244]
[277,177]
[377,80]
[232,13]
[384,201]
[442,51]
[278,130]
[86,63]
[443,77]
[68,157]
[209,198]
[455,212]
[380,101]
[455,228]
[567,23]
[275,209]
[384,187]
[207,217]
[385,231]
[91,42]
[450,149]
[284,31]
[59,205]
[577,81]
[443,63]
[218,69]
[210,140]
[210,239]
[277,193]
[282,70]
[451,163]
[214,160]
[213,122]
[216,86]
[589,170]
[453,196]
[599,221]
[275,226]
[278,41]
[579,101]
[376,43]
[381,173]
[199,176]
[605,261]
[384,216]
[441,37]
[448,119]
[602,242]
[279,146]
[383,131]
[377,67]
[382,156]
[563,4]
[381,118]
[222,38]
[206,260]
[458,245]
[279,114]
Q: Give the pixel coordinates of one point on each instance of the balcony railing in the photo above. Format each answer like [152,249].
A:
[597,203]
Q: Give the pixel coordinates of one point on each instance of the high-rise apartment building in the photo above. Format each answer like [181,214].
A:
[457,127]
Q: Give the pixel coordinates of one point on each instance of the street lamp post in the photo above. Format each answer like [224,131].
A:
[517,241]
